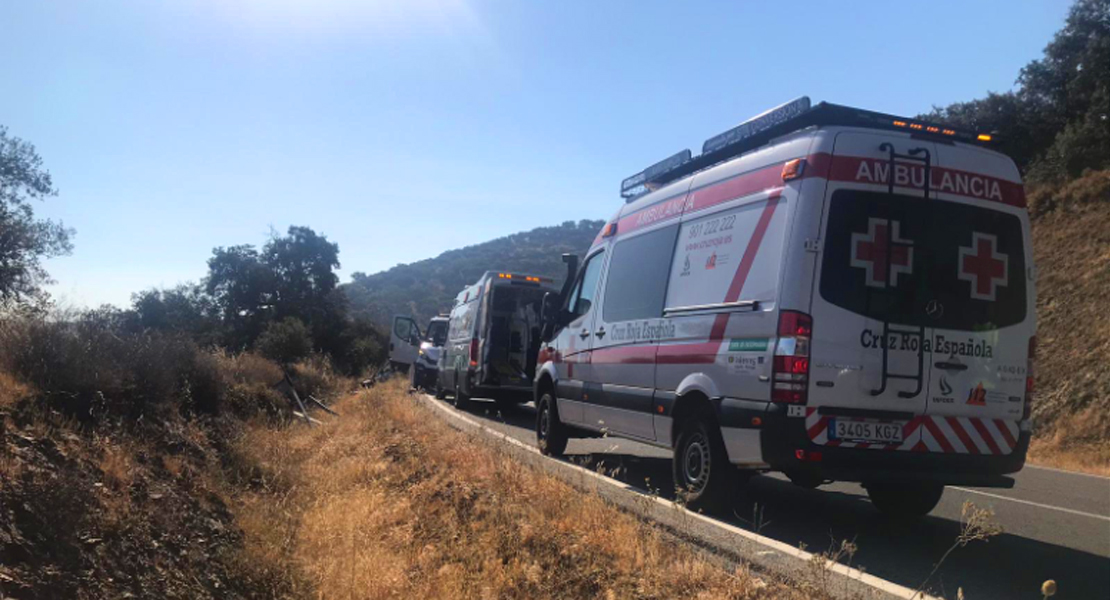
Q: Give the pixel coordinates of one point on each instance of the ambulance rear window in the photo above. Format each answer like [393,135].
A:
[952,266]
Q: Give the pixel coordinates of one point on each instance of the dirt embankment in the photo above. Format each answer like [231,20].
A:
[113,485]
[1071,243]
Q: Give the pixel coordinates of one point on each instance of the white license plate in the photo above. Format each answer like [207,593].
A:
[865,431]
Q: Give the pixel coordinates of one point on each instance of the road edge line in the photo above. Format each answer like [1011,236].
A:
[1070,511]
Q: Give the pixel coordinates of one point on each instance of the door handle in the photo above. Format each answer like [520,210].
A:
[585,334]
[951,366]
[600,332]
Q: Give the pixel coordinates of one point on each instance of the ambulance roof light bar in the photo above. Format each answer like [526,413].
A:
[781,120]
[640,183]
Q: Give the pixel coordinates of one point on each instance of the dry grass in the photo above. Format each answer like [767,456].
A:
[1075,443]
[388,501]
[12,391]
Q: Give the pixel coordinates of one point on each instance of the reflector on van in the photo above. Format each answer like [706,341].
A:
[793,169]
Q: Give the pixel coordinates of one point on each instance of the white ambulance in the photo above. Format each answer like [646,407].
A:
[833,293]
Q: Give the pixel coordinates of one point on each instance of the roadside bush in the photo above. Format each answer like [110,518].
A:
[285,341]
[315,376]
[87,366]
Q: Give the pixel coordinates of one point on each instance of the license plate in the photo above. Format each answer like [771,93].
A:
[865,431]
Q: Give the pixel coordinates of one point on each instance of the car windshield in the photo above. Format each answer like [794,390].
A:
[951,265]
[437,333]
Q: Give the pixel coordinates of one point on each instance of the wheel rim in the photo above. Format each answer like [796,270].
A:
[545,421]
[696,462]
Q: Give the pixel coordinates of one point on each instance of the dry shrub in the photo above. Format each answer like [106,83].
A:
[1076,442]
[1090,188]
[315,376]
[89,366]
[12,391]
[388,501]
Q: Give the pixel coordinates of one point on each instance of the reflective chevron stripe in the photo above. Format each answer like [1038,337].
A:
[930,433]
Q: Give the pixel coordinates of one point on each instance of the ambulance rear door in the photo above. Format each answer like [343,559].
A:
[870,360]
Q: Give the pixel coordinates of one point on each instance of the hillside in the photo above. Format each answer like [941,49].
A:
[1071,243]
[428,287]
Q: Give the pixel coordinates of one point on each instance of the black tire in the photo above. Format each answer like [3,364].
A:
[462,401]
[440,393]
[906,500]
[551,434]
[702,473]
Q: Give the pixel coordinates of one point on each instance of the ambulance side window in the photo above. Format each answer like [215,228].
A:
[582,299]
[637,281]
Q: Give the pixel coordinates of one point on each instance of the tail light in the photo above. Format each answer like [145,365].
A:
[1029,383]
[790,372]
[474,352]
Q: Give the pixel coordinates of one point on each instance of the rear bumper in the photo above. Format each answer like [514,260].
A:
[782,438]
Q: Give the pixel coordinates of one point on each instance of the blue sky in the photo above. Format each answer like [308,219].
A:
[401,129]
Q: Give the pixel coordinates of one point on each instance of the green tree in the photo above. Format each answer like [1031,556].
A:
[285,341]
[292,277]
[185,308]
[24,240]
[1057,123]
[242,289]
[1070,87]
[302,267]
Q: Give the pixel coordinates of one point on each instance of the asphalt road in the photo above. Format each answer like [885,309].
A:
[1056,525]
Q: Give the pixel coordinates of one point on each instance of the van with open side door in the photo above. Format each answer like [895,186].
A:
[404,342]
[828,292]
[424,372]
[493,339]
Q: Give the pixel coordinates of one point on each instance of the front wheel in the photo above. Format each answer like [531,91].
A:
[701,470]
[551,434]
[906,500]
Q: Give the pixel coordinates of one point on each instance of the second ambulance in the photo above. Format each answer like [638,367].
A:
[832,293]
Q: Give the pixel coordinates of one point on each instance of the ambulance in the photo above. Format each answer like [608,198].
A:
[493,339]
[831,293]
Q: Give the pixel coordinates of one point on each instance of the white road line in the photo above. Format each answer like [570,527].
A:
[888,587]
[1031,503]
[1066,472]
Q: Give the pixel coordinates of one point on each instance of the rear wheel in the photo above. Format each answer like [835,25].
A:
[551,434]
[907,500]
[702,473]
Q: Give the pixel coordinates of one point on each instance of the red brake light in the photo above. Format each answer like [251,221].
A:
[790,373]
[474,352]
[793,323]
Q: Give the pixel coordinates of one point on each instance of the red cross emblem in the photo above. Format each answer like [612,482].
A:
[983,266]
[869,253]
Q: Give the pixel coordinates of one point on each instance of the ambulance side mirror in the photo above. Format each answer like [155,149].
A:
[549,314]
